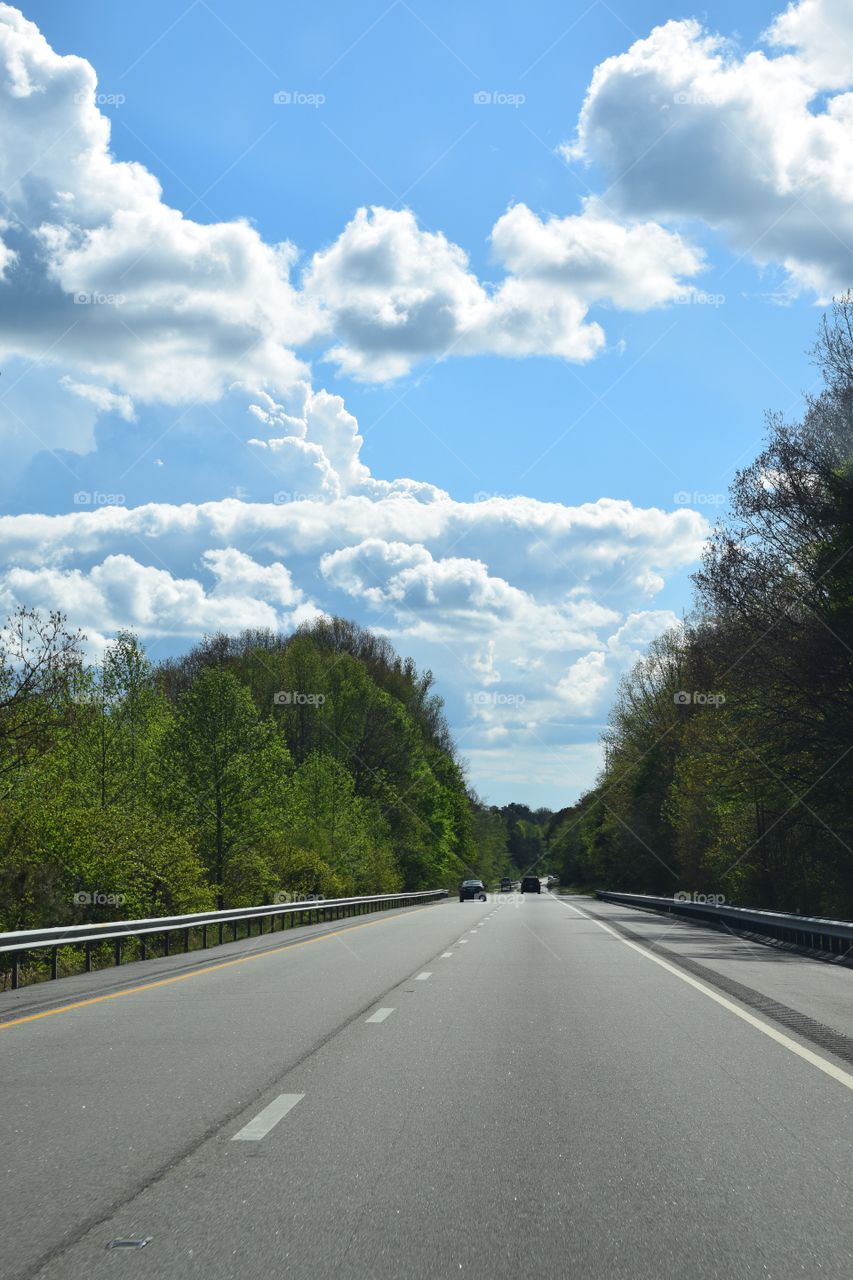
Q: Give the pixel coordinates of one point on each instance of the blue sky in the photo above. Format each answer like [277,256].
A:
[557,332]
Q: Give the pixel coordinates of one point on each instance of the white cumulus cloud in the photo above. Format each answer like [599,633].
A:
[103,276]
[757,146]
[394,294]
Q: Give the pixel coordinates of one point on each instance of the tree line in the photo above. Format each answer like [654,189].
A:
[253,766]
[729,751]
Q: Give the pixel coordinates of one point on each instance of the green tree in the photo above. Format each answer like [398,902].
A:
[230,770]
[336,828]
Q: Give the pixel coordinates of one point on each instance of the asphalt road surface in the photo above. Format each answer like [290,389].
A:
[498,1089]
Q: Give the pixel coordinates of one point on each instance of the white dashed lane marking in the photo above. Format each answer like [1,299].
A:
[422,977]
[380,1015]
[267,1119]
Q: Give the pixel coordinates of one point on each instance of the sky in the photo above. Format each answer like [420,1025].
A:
[455,320]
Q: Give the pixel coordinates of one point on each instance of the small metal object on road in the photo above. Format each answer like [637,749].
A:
[129,1244]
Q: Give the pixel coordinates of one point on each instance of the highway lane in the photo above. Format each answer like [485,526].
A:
[537,1098]
[97,1100]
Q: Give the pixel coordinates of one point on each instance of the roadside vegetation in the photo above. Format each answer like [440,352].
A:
[254,765]
[729,754]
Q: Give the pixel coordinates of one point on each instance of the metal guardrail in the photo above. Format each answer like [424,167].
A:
[833,936]
[23,941]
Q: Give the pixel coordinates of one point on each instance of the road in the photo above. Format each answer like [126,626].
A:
[498,1089]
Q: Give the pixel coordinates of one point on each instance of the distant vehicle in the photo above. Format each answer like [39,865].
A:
[506,885]
[530,884]
[472,889]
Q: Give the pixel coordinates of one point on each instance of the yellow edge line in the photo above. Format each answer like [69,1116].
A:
[196,973]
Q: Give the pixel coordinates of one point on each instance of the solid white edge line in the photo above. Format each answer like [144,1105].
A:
[422,977]
[380,1015]
[828,1068]
[267,1119]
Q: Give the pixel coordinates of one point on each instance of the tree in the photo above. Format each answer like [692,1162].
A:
[230,770]
[39,660]
[337,829]
[743,786]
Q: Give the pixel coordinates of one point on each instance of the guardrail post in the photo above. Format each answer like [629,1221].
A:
[14,970]
[118,951]
[53,951]
[186,940]
[143,946]
[88,960]
[204,937]
[166,943]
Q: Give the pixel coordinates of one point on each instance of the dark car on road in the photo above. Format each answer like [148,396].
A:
[472,889]
[530,884]
[506,885]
